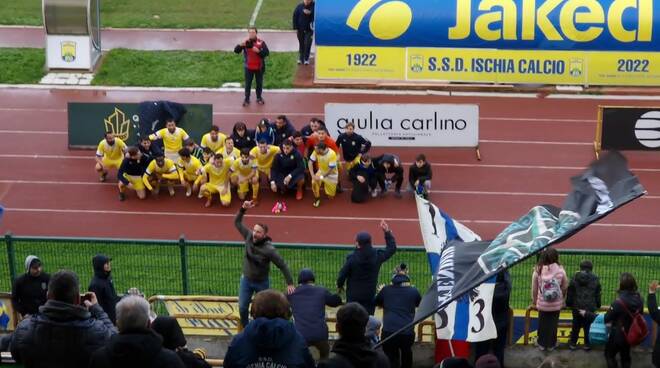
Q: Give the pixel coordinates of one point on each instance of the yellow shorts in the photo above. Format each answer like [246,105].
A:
[243,183]
[329,186]
[214,189]
[264,170]
[135,181]
[108,163]
[190,177]
[351,164]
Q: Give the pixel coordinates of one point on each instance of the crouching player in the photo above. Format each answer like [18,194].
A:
[161,168]
[130,174]
[189,168]
[326,175]
[245,175]
[109,154]
[218,171]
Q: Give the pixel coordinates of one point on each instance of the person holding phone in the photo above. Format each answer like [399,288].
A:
[254,52]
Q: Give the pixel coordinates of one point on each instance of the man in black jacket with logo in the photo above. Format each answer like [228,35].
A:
[29,290]
[389,171]
[361,268]
[102,285]
[283,129]
[287,173]
[352,145]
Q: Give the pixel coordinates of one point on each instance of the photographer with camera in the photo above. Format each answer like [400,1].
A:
[66,330]
[254,53]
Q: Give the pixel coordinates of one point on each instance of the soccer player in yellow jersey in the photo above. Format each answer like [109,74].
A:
[172,137]
[245,174]
[229,151]
[326,175]
[189,168]
[219,172]
[264,153]
[109,154]
[213,139]
[161,168]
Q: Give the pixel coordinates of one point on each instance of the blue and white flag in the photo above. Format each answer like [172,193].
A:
[470,318]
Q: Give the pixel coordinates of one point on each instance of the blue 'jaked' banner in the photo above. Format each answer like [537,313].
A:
[605,25]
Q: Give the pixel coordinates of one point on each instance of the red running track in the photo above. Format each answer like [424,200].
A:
[530,149]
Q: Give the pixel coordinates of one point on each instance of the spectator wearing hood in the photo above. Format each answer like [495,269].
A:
[399,301]
[136,345]
[259,253]
[270,338]
[654,313]
[174,339]
[584,292]
[549,285]
[242,136]
[308,303]
[29,290]
[264,132]
[389,170]
[353,349]
[361,268]
[500,312]
[102,285]
[65,332]
[283,129]
[364,179]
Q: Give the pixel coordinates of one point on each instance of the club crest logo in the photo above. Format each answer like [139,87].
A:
[118,124]
[68,51]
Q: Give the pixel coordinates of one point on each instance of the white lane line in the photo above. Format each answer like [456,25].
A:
[499,141]
[484,166]
[255,13]
[448,192]
[53,132]
[603,97]
[285,217]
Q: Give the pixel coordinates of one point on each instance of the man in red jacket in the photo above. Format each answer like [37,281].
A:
[254,53]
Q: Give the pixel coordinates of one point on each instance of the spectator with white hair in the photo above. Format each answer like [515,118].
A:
[136,345]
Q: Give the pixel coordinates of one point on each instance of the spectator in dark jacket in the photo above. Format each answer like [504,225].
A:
[308,305]
[270,338]
[352,145]
[303,20]
[136,345]
[500,310]
[353,349]
[283,129]
[174,339]
[361,268]
[364,179]
[254,52]
[399,301]
[64,333]
[419,176]
[389,170]
[584,292]
[242,136]
[264,132]
[102,285]
[287,173]
[628,300]
[655,315]
[29,291]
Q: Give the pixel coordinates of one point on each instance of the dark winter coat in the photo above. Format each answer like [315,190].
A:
[399,301]
[259,255]
[154,114]
[29,293]
[380,169]
[350,354]
[501,296]
[132,167]
[103,287]
[367,171]
[655,315]
[301,21]
[281,134]
[245,141]
[283,165]
[308,305]
[263,53]
[271,342]
[584,292]
[173,339]
[619,318]
[424,173]
[361,268]
[352,145]
[141,348]
[61,335]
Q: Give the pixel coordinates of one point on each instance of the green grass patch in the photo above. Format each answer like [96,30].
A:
[21,12]
[21,65]
[211,69]
[276,14]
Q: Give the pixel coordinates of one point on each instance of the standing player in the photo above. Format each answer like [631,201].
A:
[109,154]
[264,154]
[161,168]
[352,146]
[213,139]
[189,167]
[130,173]
[218,173]
[173,138]
[326,175]
[245,174]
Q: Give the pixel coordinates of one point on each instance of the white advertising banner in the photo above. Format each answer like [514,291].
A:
[68,52]
[408,125]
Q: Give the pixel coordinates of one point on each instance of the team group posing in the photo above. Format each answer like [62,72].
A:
[240,161]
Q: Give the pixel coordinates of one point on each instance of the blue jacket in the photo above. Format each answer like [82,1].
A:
[268,135]
[301,21]
[308,304]
[270,342]
[399,301]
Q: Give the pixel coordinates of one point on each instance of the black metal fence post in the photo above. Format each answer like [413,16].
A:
[184,264]
[11,256]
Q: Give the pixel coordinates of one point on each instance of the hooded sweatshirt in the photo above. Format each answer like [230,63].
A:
[355,354]
[268,343]
[361,268]
[584,292]
[243,141]
[548,274]
[399,301]
[29,292]
[103,286]
[139,348]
